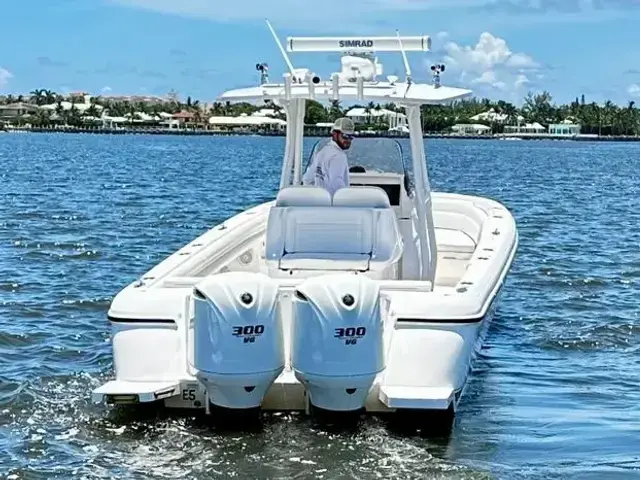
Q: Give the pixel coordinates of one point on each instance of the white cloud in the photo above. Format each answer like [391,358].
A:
[289,11]
[521,80]
[490,64]
[490,78]
[106,90]
[488,53]
[634,90]
[284,12]
[5,76]
[521,60]
[539,10]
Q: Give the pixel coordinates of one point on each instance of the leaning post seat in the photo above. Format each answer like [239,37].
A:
[356,230]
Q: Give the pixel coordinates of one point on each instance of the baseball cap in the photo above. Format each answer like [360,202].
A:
[344,125]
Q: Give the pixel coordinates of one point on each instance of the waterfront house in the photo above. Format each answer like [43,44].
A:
[528,128]
[17,110]
[470,129]
[246,122]
[492,116]
[362,116]
[185,119]
[566,128]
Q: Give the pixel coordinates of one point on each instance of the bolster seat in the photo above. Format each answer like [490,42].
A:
[356,230]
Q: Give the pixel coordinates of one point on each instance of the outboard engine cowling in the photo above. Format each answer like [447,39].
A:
[338,345]
[238,337]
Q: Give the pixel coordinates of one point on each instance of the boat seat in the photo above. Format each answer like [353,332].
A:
[303,196]
[356,230]
[455,241]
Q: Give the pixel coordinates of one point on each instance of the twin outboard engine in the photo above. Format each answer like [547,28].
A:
[238,337]
[338,345]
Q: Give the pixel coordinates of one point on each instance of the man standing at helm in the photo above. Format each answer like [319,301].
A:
[329,168]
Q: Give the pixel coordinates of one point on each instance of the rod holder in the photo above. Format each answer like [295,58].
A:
[312,87]
[335,86]
[360,88]
[287,86]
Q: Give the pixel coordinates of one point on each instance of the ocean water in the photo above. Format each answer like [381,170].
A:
[555,392]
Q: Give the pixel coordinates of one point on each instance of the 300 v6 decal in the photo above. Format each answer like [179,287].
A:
[351,335]
[248,332]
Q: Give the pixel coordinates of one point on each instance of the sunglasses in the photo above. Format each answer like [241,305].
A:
[346,137]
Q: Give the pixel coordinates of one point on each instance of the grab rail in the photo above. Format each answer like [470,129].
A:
[289,283]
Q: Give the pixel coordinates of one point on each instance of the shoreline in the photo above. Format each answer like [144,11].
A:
[318,132]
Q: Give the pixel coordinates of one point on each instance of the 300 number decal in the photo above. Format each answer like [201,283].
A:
[248,332]
[350,334]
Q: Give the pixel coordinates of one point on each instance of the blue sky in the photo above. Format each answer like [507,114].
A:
[498,48]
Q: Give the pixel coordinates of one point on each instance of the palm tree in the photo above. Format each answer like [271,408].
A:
[37,96]
[335,111]
[367,110]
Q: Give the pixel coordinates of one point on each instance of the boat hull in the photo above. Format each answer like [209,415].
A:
[437,332]
[462,342]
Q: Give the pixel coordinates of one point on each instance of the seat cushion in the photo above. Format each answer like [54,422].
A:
[329,230]
[362,197]
[303,196]
[325,261]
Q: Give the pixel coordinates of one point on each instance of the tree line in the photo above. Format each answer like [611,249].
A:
[595,118]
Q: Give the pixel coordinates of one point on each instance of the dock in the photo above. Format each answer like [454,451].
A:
[316,132]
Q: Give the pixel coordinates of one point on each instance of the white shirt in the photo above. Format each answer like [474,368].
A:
[328,169]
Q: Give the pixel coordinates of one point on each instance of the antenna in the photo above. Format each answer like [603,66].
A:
[263,68]
[404,58]
[437,69]
[358,44]
[284,53]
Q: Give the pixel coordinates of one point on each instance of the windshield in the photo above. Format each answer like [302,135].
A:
[374,154]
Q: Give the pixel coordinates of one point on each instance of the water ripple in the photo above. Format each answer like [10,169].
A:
[554,393]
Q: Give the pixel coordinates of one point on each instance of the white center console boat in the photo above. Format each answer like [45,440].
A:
[375,299]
